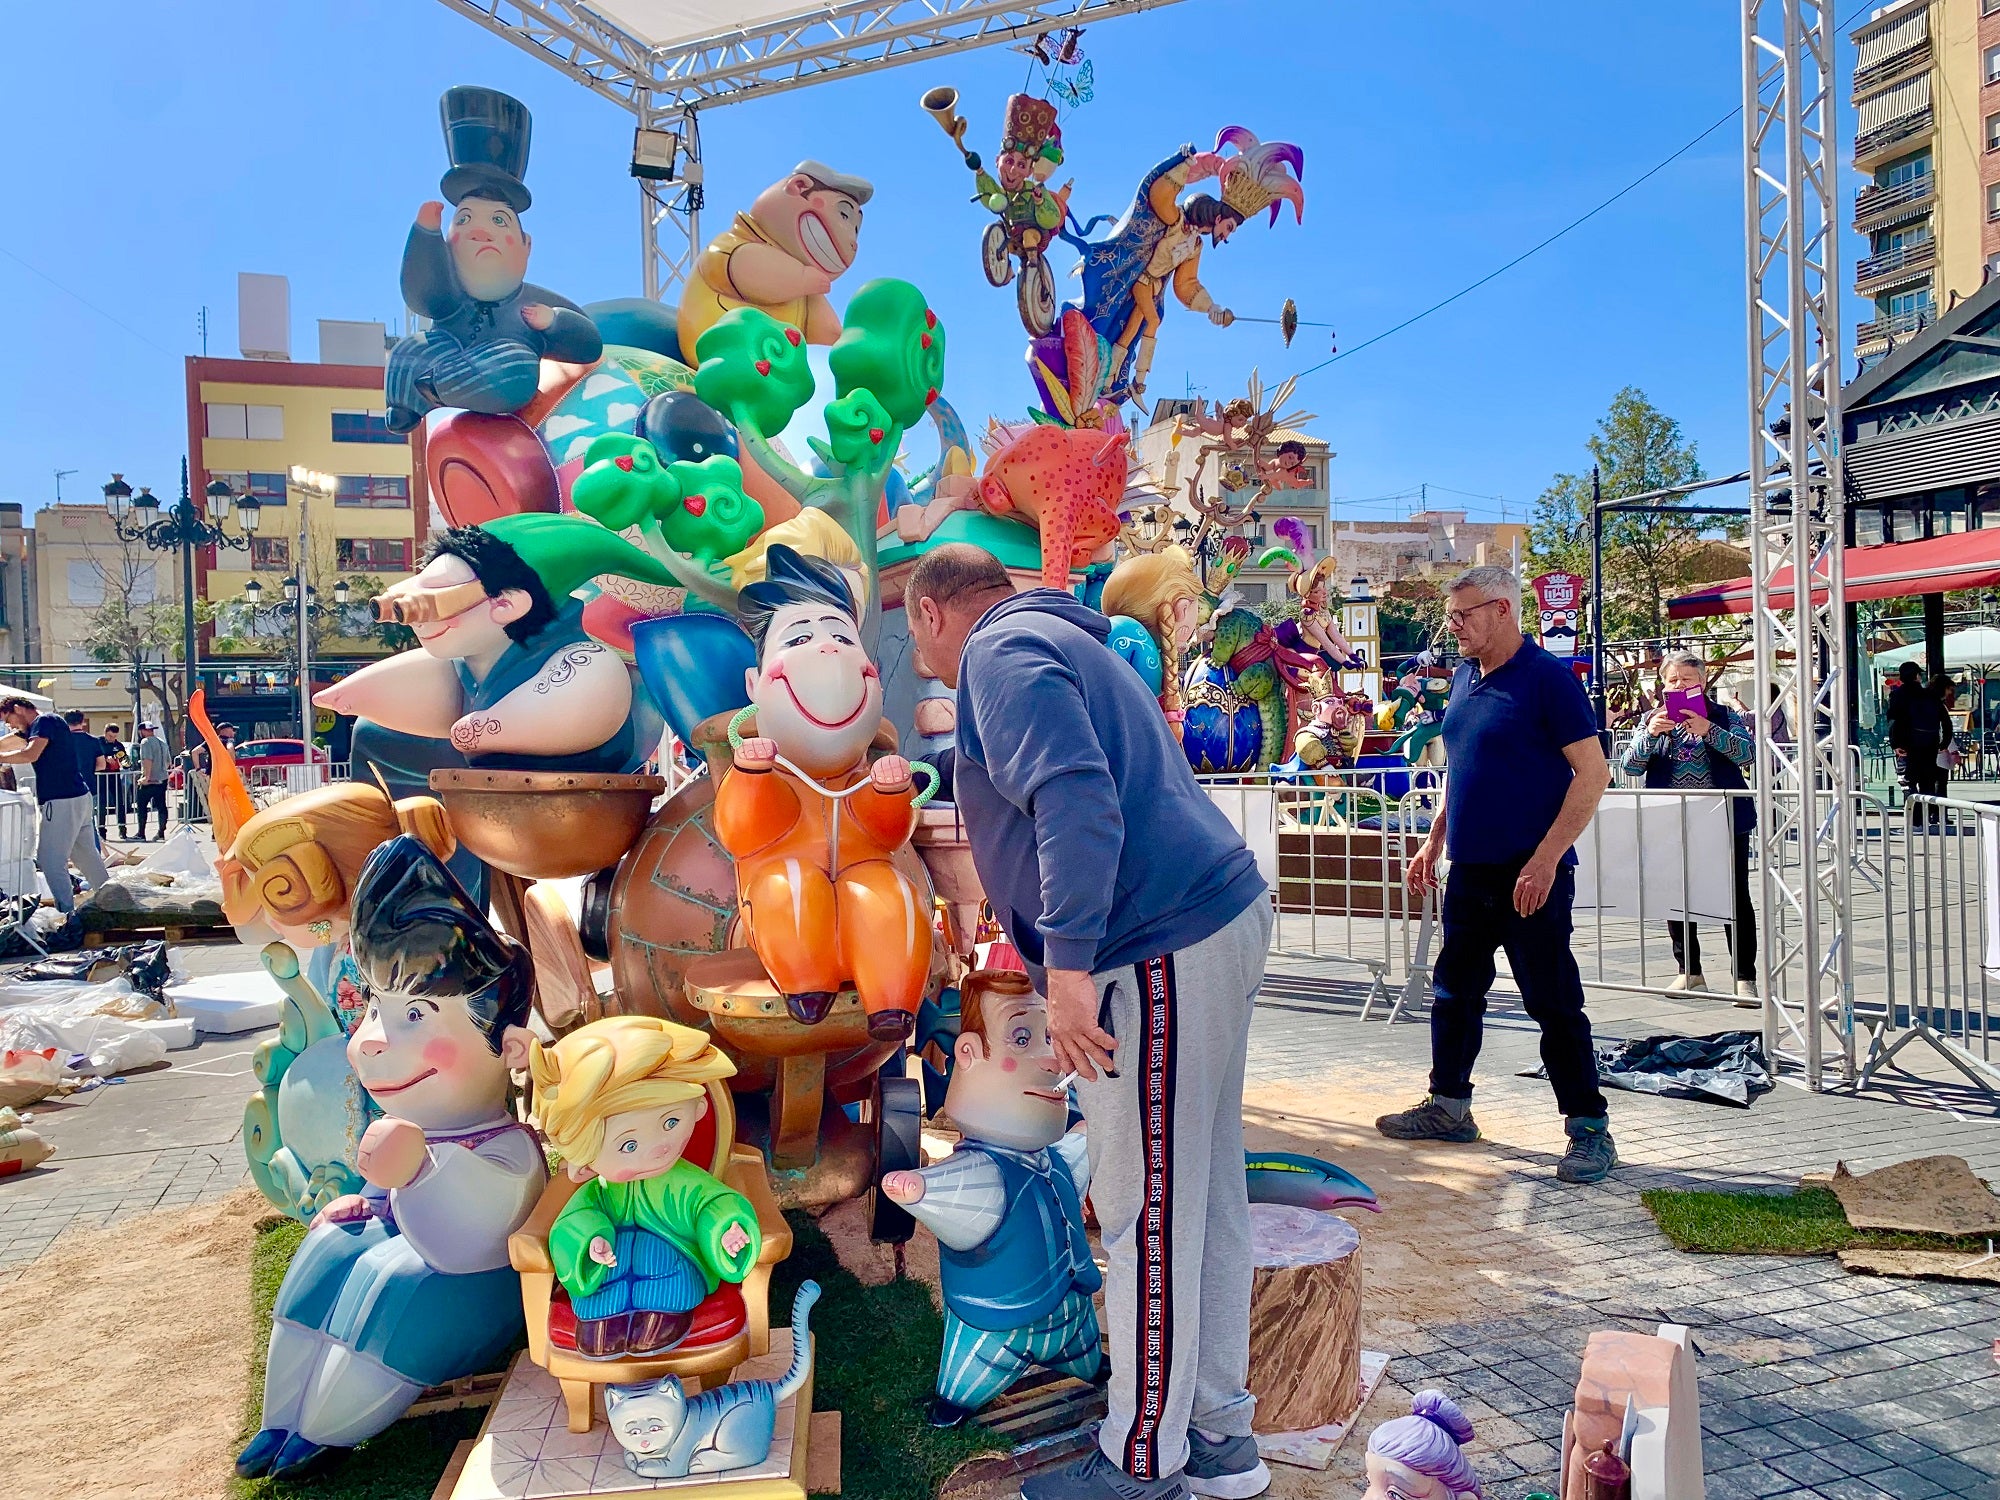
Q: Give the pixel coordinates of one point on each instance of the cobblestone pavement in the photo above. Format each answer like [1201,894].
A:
[1813,1381]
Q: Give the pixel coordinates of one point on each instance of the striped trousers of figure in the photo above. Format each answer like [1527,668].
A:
[978,1364]
[1166,1179]
[433,369]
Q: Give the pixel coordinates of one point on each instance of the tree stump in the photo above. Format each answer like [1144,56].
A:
[1305,1318]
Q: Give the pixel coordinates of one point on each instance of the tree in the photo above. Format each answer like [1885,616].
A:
[139,631]
[1411,616]
[1637,449]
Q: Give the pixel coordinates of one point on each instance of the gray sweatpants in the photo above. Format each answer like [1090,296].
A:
[68,833]
[1166,1177]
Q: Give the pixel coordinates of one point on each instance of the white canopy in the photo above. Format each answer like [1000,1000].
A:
[1976,647]
[674,23]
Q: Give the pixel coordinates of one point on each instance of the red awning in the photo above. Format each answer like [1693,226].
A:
[1964,560]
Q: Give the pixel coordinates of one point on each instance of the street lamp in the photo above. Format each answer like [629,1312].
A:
[184,527]
[309,483]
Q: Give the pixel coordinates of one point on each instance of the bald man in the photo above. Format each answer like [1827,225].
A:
[1142,918]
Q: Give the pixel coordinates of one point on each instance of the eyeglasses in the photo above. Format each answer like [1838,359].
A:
[1457,617]
[425,606]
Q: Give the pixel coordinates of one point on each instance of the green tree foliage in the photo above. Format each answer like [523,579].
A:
[1411,616]
[753,369]
[891,345]
[1636,448]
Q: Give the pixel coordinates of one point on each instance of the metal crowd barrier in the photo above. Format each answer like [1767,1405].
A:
[1336,847]
[1950,854]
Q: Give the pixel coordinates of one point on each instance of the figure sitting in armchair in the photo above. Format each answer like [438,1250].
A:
[690,1215]
[648,1234]
[1006,1207]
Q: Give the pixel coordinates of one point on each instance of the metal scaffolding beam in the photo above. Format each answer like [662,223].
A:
[663,86]
[1805,792]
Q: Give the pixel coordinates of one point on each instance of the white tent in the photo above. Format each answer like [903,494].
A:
[1976,647]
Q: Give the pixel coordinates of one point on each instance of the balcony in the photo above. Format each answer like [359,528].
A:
[1877,207]
[1886,69]
[1884,139]
[1904,263]
[1895,324]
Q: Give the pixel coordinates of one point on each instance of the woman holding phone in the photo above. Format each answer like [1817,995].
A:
[1693,743]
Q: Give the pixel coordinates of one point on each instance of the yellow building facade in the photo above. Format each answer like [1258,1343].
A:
[250,423]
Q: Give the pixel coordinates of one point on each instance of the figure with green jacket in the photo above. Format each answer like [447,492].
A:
[648,1235]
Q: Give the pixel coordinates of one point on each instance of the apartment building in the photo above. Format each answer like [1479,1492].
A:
[81,564]
[1926,93]
[1437,544]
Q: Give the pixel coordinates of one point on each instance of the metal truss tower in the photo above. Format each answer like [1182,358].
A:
[1805,791]
[665,62]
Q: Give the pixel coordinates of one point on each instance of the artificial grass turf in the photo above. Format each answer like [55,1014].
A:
[876,1361]
[1806,1221]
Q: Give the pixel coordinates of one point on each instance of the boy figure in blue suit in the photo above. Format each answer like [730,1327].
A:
[1006,1207]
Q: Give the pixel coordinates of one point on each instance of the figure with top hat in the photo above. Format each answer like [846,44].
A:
[490,327]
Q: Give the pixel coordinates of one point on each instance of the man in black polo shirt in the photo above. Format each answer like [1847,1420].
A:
[62,787]
[1524,774]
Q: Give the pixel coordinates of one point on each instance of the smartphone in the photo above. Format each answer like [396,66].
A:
[1684,703]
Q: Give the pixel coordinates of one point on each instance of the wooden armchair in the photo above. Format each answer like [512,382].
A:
[730,1326]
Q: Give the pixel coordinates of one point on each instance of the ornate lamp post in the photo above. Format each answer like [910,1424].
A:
[300,613]
[186,526]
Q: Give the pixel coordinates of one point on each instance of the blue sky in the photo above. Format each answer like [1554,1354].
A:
[1441,139]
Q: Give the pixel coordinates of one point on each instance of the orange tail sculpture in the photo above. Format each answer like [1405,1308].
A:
[229,804]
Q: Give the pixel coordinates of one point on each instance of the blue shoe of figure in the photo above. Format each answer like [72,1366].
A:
[255,1460]
[298,1455]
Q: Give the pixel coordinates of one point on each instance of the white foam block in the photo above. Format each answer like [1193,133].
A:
[176,1031]
[229,1004]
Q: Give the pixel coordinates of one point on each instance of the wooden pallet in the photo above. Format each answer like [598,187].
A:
[115,937]
[457,1395]
[1046,1419]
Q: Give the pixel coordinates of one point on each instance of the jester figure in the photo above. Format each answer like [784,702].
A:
[1160,241]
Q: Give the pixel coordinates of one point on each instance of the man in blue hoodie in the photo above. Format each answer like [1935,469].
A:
[1142,918]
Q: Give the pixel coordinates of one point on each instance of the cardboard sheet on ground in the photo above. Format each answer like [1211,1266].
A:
[1930,1195]
[1658,858]
[1253,811]
[1315,1449]
[1924,1265]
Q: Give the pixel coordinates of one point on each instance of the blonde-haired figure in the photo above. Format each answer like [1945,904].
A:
[649,1234]
[1154,600]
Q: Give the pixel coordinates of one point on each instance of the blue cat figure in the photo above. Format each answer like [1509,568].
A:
[668,1435]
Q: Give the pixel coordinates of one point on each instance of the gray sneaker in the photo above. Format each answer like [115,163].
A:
[1095,1477]
[1227,1468]
[1591,1155]
[1429,1121]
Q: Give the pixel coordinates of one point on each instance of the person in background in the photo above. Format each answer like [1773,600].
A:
[1919,732]
[114,782]
[153,761]
[62,787]
[1142,917]
[1524,772]
[1706,750]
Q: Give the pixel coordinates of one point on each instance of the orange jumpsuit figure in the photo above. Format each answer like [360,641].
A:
[813,869]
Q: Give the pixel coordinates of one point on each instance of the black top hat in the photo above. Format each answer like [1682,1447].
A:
[417,935]
[486,137]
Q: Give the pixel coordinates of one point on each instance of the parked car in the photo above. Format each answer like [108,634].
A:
[253,754]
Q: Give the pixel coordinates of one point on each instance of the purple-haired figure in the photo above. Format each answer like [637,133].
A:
[1419,1457]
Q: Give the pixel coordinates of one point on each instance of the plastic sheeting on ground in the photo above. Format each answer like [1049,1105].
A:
[1726,1067]
[112,1027]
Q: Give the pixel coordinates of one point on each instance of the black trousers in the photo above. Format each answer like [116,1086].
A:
[1480,920]
[1923,776]
[152,794]
[1742,933]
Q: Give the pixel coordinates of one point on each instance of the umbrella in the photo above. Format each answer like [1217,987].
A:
[1978,646]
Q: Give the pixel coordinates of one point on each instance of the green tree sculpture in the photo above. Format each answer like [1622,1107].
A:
[888,368]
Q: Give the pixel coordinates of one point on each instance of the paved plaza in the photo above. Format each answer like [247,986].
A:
[1814,1382]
